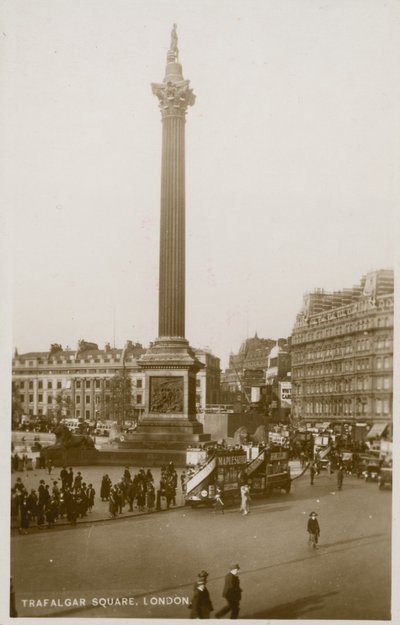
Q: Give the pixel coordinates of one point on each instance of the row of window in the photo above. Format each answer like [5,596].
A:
[57,384]
[66,360]
[345,365]
[348,328]
[87,413]
[360,384]
[338,351]
[379,407]
[65,372]
[49,399]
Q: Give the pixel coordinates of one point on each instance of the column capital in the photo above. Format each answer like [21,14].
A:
[174,98]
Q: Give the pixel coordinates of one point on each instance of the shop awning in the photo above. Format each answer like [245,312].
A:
[377,430]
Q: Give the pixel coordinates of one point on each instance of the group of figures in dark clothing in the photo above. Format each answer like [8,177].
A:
[201,605]
[139,490]
[70,497]
[43,506]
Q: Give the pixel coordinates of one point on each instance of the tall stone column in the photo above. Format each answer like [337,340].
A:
[174,96]
[169,423]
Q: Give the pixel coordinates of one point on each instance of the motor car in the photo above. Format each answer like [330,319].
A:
[371,473]
[385,477]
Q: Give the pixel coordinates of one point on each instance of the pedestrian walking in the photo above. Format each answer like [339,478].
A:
[313,530]
[245,499]
[70,479]
[219,504]
[24,515]
[105,488]
[201,605]
[312,473]
[78,481]
[232,592]
[340,476]
[64,477]
[90,494]
[113,502]
[183,481]
[150,497]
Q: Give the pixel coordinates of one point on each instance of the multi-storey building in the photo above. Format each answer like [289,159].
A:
[84,377]
[244,367]
[208,379]
[342,354]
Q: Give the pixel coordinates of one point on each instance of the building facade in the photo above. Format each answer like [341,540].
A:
[208,380]
[246,369]
[84,377]
[342,354]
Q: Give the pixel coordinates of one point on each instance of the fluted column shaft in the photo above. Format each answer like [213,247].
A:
[171,318]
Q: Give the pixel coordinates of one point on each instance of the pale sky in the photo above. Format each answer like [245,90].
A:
[291,155]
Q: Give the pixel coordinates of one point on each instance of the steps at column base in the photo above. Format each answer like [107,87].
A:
[142,457]
[165,437]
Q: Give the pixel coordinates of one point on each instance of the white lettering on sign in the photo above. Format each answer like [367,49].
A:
[286,394]
[226,460]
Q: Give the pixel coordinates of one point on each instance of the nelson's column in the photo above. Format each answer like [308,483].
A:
[169,424]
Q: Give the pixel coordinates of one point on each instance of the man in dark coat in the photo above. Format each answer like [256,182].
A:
[312,473]
[201,605]
[78,481]
[64,477]
[44,496]
[232,593]
[340,475]
[313,530]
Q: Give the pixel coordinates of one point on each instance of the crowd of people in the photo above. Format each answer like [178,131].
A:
[68,496]
[139,490]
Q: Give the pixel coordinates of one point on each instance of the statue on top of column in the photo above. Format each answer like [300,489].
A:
[173,49]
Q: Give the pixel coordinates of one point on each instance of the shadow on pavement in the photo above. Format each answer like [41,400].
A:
[351,540]
[293,609]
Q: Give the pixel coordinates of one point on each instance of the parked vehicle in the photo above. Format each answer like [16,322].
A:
[72,424]
[371,473]
[385,477]
[104,428]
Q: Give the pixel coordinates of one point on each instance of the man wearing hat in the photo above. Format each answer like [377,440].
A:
[201,605]
[313,530]
[232,593]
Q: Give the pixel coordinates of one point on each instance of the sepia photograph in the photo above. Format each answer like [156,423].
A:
[197,265]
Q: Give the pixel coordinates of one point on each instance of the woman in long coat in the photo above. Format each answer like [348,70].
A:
[201,605]
[105,488]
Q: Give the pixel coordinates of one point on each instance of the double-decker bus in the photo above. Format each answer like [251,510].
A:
[229,469]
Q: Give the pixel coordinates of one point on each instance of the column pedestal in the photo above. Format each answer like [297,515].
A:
[169,425]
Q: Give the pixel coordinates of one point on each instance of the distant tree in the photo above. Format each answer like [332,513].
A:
[17,409]
[55,348]
[64,406]
[120,405]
